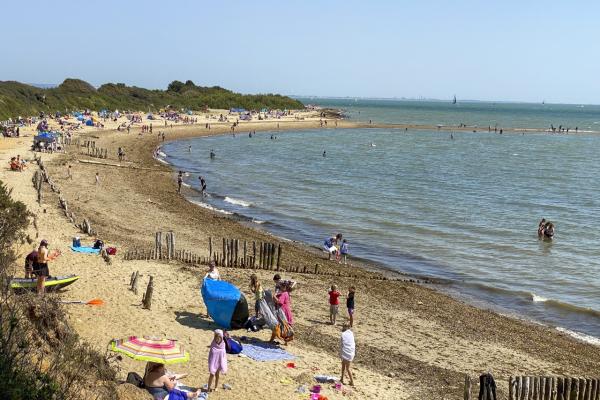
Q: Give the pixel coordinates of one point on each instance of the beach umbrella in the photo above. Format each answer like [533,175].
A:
[164,351]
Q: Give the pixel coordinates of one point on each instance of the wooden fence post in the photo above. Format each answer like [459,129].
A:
[245,260]
[279,256]
[224,251]
[147,297]
[467,387]
[272,256]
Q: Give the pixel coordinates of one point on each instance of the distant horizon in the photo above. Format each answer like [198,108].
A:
[401,98]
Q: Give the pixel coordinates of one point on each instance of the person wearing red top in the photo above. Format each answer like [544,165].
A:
[334,303]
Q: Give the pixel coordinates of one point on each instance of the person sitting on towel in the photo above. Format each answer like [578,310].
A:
[160,383]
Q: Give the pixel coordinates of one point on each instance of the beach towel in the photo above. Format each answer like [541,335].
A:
[217,356]
[266,352]
[347,348]
[83,249]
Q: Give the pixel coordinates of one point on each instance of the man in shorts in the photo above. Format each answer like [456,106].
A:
[41,269]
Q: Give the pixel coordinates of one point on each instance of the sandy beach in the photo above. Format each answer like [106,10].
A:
[413,342]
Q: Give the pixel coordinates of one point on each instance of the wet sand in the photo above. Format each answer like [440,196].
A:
[413,342]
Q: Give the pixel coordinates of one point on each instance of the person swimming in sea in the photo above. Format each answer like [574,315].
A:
[324,153]
[545,229]
[212,154]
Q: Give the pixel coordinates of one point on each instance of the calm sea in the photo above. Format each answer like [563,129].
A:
[463,210]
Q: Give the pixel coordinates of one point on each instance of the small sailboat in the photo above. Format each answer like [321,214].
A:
[454,100]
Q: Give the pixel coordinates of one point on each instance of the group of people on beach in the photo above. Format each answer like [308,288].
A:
[336,246]
[281,296]
[17,163]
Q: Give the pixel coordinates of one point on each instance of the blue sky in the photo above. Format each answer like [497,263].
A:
[503,50]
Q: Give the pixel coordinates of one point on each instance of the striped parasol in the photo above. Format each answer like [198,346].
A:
[164,351]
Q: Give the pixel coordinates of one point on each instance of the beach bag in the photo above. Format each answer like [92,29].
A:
[111,251]
[98,244]
[135,379]
[76,241]
[284,331]
[232,346]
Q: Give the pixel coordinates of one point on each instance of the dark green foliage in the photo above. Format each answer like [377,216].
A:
[41,358]
[18,99]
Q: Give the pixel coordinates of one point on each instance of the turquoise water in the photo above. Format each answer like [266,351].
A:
[480,114]
[464,210]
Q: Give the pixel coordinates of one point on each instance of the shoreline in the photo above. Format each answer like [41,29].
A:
[503,301]
[408,335]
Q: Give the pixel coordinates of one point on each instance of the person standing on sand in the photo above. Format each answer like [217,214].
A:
[347,353]
[69,174]
[97,179]
[217,359]
[41,268]
[179,181]
[344,251]
[163,136]
[334,303]
[258,292]
[350,305]
[213,272]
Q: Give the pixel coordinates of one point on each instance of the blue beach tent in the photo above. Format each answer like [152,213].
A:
[89,122]
[225,303]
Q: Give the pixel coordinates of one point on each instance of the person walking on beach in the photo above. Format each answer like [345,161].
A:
[179,181]
[120,153]
[202,186]
[97,179]
[334,303]
[217,359]
[41,268]
[347,353]
[163,136]
[69,174]
[350,305]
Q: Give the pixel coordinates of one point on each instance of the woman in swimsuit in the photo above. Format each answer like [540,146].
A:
[160,384]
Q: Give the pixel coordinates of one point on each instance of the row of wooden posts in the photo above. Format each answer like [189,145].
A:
[553,388]
[91,149]
[263,255]
[538,388]
[40,176]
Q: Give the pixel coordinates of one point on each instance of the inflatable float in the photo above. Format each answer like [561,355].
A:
[51,283]
[225,304]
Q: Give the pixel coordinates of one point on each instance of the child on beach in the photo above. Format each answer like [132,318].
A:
[217,359]
[350,305]
[347,353]
[344,251]
[334,303]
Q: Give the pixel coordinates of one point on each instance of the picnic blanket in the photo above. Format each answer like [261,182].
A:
[266,352]
[83,249]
